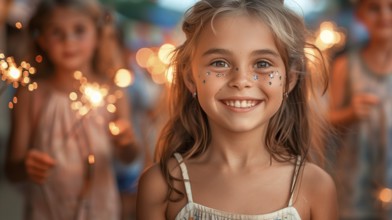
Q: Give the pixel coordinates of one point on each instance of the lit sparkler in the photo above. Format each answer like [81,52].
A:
[12,74]
[93,95]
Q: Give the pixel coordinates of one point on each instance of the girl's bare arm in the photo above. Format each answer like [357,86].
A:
[151,197]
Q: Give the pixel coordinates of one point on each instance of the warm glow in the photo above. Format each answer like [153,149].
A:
[114,129]
[123,78]
[111,108]
[73,96]
[385,195]
[170,75]
[91,159]
[165,53]
[4,65]
[38,59]
[159,78]
[327,36]
[83,110]
[155,66]
[142,56]
[30,87]
[26,80]
[14,73]
[78,75]
[18,25]
[93,94]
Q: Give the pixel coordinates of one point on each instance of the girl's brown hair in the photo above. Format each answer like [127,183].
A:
[296,126]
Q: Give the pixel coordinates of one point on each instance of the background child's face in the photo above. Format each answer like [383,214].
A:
[376,15]
[238,73]
[69,39]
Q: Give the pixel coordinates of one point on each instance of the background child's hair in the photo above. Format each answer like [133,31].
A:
[39,20]
[290,132]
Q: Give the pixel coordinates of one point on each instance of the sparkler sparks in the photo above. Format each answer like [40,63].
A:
[12,74]
[92,95]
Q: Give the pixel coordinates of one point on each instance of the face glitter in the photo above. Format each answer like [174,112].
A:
[220,75]
[269,78]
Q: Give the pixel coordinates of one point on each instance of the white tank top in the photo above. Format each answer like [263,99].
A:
[195,211]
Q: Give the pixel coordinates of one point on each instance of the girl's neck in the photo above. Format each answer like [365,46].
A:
[237,151]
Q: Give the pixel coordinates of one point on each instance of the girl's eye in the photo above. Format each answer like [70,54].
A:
[262,64]
[56,34]
[80,30]
[220,63]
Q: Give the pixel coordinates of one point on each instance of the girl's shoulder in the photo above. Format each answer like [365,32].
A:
[315,178]
[153,178]
[317,185]
[153,189]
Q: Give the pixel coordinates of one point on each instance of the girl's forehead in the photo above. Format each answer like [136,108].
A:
[68,15]
[241,29]
[66,12]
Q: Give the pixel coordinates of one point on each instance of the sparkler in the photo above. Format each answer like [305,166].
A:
[12,74]
[93,95]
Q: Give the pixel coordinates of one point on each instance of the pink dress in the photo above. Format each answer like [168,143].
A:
[69,140]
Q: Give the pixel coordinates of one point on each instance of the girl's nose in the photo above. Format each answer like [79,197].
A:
[239,78]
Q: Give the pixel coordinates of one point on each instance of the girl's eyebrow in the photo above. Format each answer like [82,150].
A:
[254,53]
[216,51]
[266,52]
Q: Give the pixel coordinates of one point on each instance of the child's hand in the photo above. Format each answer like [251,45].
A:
[38,164]
[362,105]
[123,137]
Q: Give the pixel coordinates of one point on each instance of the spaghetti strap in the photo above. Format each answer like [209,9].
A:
[185,176]
[293,184]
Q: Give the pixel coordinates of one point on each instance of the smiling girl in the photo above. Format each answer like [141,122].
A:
[237,144]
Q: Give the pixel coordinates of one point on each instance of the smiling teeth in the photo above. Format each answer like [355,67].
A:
[241,103]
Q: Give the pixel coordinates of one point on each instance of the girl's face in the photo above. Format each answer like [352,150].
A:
[69,39]
[376,15]
[238,73]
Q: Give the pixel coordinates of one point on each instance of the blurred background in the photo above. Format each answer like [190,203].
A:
[150,29]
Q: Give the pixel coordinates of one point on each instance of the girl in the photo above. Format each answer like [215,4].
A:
[237,143]
[361,107]
[65,159]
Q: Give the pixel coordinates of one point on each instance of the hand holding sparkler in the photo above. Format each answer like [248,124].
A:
[38,165]
[93,95]
[123,137]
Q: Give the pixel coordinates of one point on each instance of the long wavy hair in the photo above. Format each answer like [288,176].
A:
[39,20]
[291,131]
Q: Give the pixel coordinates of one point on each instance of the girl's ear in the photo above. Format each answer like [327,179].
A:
[293,78]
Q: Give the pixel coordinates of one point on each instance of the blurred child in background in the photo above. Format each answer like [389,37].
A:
[361,109]
[66,159]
